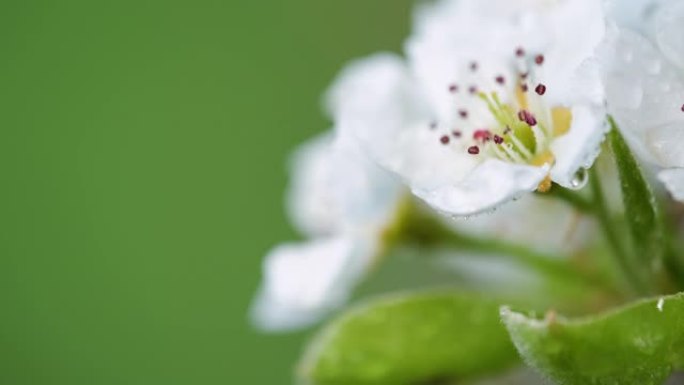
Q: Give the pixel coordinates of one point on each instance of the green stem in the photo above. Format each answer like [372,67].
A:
[610,231]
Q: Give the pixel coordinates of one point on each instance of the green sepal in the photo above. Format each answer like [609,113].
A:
[639,344]
[410,339]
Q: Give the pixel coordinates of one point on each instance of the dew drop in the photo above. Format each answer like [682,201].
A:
[580,179]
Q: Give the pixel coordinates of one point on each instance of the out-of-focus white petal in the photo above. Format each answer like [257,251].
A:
[490,184]
[304,282]
[335,188]
[311,201]
[544,224]
[578,149]
[378,89]
[673,179]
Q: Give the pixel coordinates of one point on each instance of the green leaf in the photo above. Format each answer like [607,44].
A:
[410,339]
[639,344]
[641,209]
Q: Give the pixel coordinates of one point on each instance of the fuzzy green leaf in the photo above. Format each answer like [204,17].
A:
[410,339]
[641,209]
[639,344]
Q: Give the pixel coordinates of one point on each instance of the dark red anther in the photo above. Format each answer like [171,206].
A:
[540,89]
[473,150]
[682,107]
[482,135]
[453,88]
[527,117]
[456,133]
[498,139]
[539,59]
[444,139]
[519,52]
[463,113]
[500,79]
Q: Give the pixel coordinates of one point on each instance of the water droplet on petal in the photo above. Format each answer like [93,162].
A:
[580,179]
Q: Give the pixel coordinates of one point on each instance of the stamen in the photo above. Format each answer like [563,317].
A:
[444,139]
[453,88]
[519,52]
[498,139]
[541,89]
[539,59]
[682,107]
[473,150]
[527,117]
[463,113]
[500,79]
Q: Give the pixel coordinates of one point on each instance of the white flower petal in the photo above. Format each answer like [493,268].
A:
[578,149]
[665,143]
[637,15]
[645,94]
[415,122]
[335,188]
[311,197]
[490,184]
[375,102]
[670,31]
[674,181]
[544,224]
[450,34]
[304,282]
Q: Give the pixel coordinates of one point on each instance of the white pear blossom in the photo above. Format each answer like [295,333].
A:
[496,98]
[545,225]
[644,77]
[342,203]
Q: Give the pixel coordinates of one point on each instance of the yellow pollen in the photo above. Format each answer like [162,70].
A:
[540,160]
[545,185]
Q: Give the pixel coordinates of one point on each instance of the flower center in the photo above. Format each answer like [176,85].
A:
[522,128]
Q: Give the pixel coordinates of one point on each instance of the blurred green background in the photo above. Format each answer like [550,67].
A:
[142,157]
